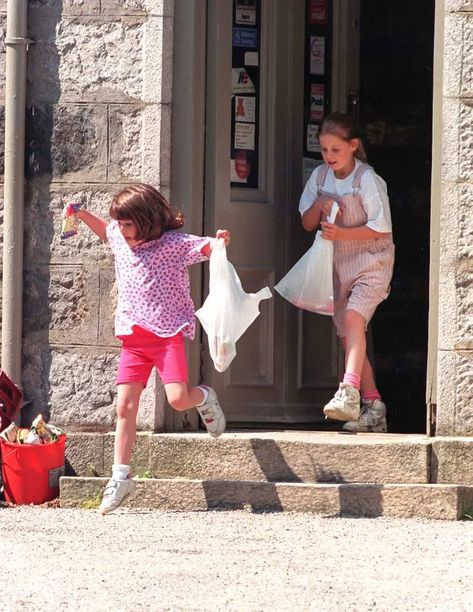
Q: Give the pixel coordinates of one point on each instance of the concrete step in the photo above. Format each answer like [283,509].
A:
[272,456]
[445,502]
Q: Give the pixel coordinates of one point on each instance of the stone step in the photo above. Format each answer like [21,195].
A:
[445,502]
[285,456]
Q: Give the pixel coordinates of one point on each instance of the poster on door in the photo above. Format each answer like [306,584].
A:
[318,12]
[244,149]
[317,75]
[245,12]
[317,55]
[245,107]
[317,101]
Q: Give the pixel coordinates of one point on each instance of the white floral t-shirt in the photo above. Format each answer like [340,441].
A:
[153,282]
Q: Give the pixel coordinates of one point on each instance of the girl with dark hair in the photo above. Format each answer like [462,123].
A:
[363,261]
[154,314]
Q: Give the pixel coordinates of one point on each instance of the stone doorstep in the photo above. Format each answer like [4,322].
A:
[443,502]
[273,456]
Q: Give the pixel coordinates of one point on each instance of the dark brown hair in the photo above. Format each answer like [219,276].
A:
[147,208]
[343,126]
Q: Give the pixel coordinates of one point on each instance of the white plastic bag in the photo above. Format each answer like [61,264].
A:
[228,311]
[309,283]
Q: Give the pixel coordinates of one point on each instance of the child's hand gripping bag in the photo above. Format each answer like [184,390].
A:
[309,283]
[228,311]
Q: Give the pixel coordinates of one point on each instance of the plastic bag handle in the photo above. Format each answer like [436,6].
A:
[333,213]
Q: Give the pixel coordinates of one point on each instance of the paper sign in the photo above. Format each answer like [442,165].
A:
[317,93]
[245,11]
[241,82]
[317,54]
[245,136]
[313,145]
[251,58]
[245,37]
[245,108]
[234,175]
[318,12]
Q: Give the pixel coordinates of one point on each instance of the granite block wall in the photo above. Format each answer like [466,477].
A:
[98,116]
[455,355]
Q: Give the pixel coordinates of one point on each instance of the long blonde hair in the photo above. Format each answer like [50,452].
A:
[343,126]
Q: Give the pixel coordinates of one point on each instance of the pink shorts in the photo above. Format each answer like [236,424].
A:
[142,350]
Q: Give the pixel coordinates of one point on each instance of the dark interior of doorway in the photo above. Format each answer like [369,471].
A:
[395,113]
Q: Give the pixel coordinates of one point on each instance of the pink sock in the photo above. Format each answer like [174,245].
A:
[372,395]
[352,379]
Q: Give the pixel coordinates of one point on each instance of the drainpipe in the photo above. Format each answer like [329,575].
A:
[15,92]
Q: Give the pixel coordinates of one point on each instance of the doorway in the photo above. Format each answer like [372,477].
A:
[289,362]
[395,112]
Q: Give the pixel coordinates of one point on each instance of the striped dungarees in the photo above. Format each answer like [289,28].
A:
[362,269]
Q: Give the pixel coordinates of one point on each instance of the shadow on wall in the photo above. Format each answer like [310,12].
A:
[43,92]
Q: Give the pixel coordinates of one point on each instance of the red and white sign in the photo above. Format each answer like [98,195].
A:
[317,93]
[318,12]
[242,166]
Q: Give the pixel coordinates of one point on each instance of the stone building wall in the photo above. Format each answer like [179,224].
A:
[455,357]
[98,116]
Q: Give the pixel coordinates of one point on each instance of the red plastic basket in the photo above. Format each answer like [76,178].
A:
[31,472]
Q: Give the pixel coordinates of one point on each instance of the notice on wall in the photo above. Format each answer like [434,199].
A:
[245,136]
[317,101]
[245,108]
[317,55]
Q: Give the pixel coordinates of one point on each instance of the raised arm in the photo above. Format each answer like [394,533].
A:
[96,224]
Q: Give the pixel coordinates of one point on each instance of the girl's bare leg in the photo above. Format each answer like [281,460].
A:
[355,339]
[368,382]
[182,397]
[128,400]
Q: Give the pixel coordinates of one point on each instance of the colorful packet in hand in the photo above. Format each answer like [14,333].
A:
[70,223]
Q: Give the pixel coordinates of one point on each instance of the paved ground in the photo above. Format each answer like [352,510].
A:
[56,559]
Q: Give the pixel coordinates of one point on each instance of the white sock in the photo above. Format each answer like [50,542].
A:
[120,471]
[206,395]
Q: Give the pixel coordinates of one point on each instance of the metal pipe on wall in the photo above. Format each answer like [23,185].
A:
[13,214]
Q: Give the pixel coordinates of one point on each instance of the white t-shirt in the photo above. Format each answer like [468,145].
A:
[373,192]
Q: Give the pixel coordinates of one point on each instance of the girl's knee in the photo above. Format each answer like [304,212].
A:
[354,320]
[128,399]
[126,408]
[178,398]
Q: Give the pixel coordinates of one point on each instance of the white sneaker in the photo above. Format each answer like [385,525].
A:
[212,414]
[345,404]
[116,491]
[372,418]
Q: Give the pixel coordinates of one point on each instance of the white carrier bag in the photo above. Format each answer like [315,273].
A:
[309,283]
[228,311]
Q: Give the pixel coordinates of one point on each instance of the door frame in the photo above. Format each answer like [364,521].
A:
[188,159]
[435,208]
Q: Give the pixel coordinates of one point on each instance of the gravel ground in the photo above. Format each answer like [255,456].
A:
[58,559]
